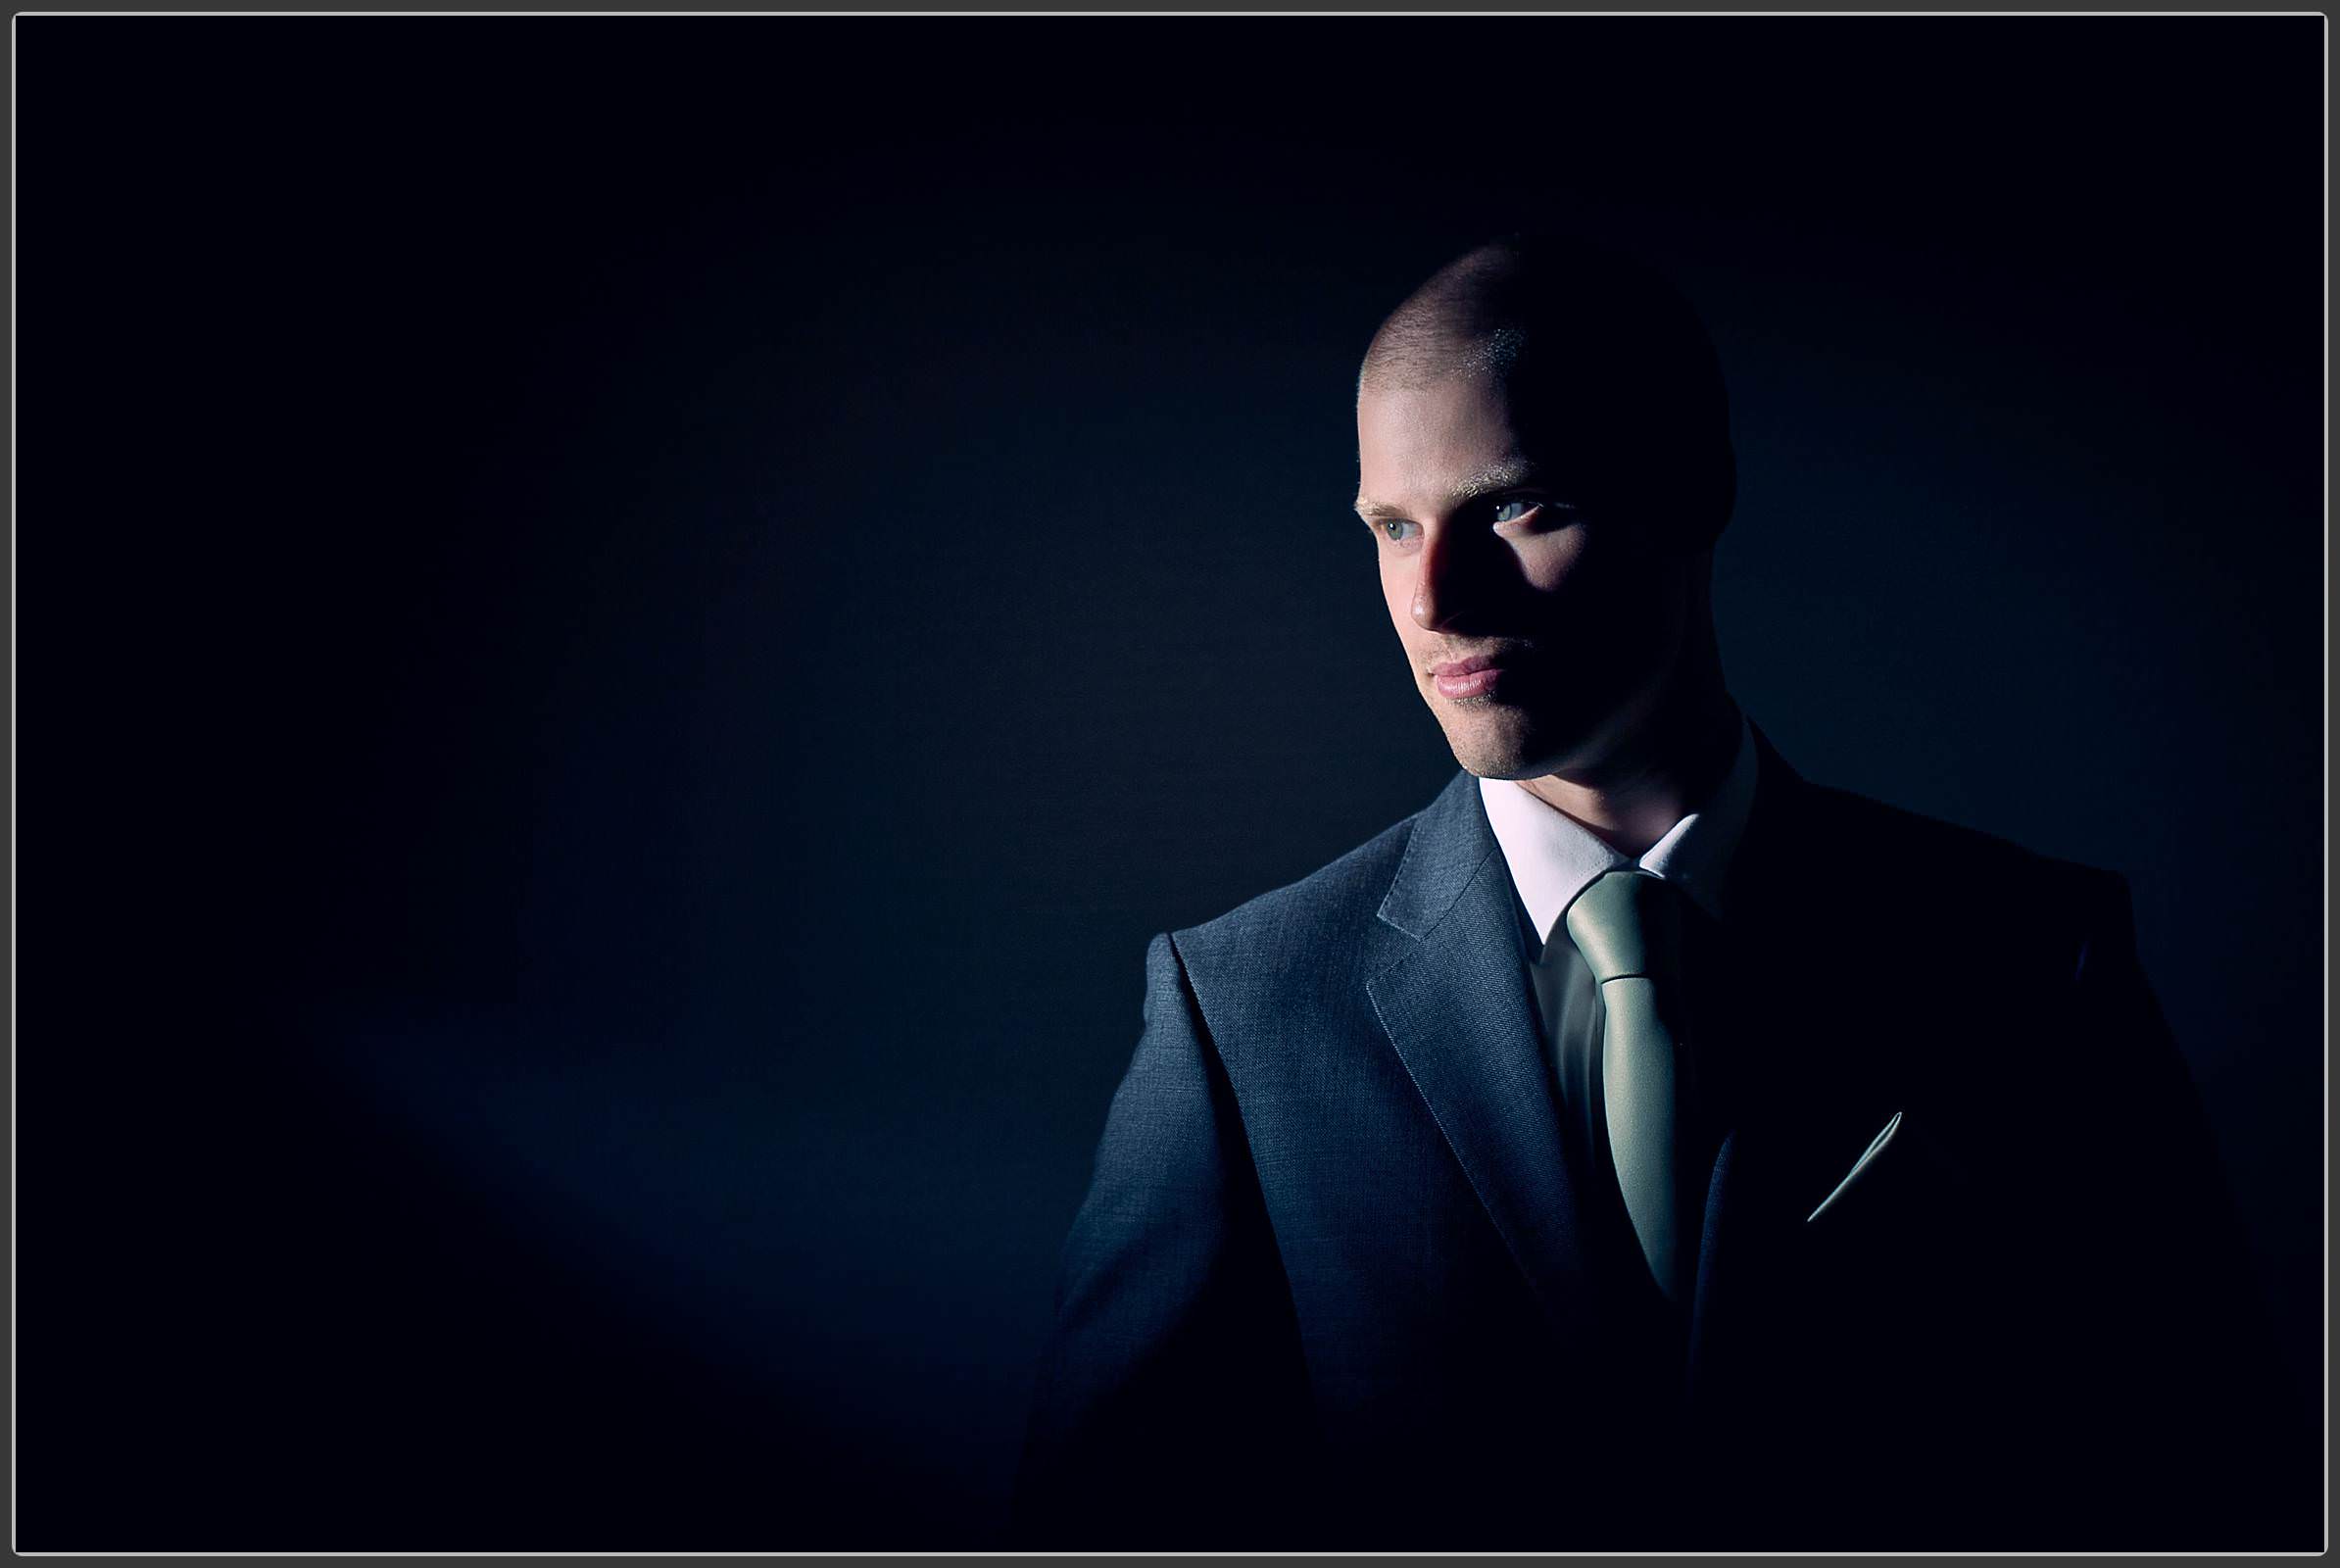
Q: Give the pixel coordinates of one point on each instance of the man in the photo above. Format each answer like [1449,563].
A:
[1640,1146]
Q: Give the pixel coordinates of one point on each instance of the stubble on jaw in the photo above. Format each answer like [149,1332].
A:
[1489,736]
[1523,741]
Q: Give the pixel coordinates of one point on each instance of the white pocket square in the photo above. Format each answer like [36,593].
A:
[1876,1146]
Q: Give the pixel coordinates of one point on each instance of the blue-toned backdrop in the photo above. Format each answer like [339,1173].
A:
[626,626]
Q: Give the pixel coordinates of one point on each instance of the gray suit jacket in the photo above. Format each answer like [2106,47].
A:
[1341,1281]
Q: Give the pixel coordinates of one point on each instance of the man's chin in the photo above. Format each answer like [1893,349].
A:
[1504,744]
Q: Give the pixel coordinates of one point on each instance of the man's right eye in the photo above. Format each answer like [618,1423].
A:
[1392,527]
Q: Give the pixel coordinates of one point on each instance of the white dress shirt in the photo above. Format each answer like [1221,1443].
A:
[1553,857]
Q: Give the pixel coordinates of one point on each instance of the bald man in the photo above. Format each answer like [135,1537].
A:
[1640,1146]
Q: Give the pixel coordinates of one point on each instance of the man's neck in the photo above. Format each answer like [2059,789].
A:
[1638,795]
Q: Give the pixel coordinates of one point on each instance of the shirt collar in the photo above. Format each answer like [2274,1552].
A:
[1553,857]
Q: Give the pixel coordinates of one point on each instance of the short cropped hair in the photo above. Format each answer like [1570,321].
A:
[1606,367]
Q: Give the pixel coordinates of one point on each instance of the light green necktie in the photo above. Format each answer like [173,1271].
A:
[1628,925]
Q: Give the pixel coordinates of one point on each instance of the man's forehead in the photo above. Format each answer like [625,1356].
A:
[1439,444]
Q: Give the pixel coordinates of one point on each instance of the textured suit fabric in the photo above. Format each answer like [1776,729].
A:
[1340,1281]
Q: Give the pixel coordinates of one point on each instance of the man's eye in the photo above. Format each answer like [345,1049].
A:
[1395,527]
[1513,509]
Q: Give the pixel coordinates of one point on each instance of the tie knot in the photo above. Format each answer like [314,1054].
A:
[1627,923]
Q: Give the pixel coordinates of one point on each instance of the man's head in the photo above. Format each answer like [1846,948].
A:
[1545,458]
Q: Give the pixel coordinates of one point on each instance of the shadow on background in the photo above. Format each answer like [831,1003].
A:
[627,626]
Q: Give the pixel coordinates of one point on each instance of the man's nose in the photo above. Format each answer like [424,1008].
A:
[1449,580]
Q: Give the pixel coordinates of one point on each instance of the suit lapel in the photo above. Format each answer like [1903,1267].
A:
[1806,1099]
[1457,1010]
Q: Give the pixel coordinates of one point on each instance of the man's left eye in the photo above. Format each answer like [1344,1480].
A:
[1514,508]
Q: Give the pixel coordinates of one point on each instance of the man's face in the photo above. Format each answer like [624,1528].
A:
[1539,629]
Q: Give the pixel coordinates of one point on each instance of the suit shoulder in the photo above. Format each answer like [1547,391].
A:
[1302,920]
[1963,871]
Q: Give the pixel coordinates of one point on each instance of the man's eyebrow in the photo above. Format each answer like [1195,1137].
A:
[1487,480]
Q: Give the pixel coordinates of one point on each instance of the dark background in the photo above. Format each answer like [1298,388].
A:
[627,626]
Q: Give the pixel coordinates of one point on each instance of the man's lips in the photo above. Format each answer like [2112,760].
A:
[1475,677]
